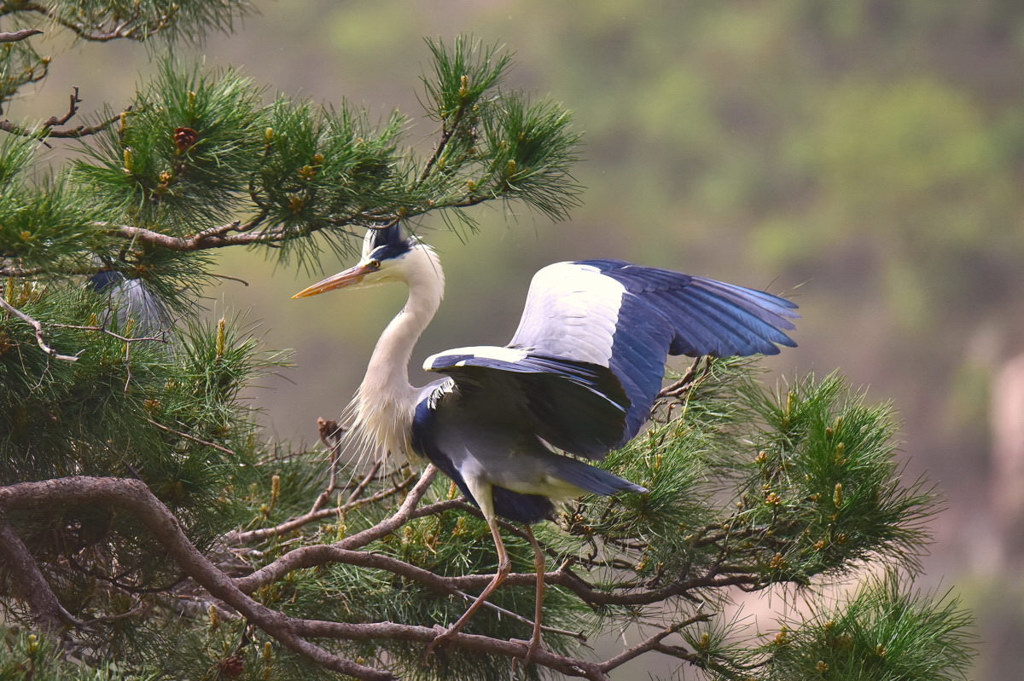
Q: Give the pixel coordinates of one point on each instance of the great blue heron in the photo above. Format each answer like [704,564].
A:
[579,376]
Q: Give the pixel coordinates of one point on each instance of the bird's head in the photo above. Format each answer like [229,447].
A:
[388,255]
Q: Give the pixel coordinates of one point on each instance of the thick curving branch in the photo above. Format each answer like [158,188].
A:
[29,581]
[133,496]
[717,575]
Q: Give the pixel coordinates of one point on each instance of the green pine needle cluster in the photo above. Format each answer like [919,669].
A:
[204,159]
[885,630]
[182,156]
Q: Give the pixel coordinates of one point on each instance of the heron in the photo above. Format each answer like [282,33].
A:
[511,425]
[132,299]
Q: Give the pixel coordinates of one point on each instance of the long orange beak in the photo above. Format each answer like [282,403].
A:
[352,275]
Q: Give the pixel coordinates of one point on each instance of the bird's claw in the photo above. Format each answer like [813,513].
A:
[533,646]
[442,638]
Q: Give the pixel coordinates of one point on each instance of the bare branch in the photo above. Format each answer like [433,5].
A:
[193,438]
[316,513]
[47,130]
[113,334]
[654,643]
[40,335]
[15,36]
[72,110]
[297,558]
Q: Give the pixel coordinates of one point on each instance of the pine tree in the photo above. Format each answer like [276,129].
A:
[148,530]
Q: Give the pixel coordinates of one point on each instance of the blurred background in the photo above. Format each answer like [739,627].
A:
[864,157]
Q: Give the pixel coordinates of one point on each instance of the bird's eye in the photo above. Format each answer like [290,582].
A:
[374,264]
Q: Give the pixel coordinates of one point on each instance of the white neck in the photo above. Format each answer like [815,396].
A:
[389,365]
[385,402]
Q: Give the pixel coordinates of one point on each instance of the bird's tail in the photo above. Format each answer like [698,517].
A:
[590,478]
[567,478]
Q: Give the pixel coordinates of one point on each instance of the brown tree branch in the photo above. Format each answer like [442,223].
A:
[15,36]
[316,513]
[29,581]
[46,129]
[716,575]
[291,632]
[653,643]
[133,27]
[40,335]
[300,557]
[138,499]
[215,237]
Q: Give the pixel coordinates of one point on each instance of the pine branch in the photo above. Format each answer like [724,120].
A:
[30,582]
[234,233]
[15,36]
[316,513]
[146,20]
[297,558]
[134,497]
[48,127]
[123,28]
[40,334]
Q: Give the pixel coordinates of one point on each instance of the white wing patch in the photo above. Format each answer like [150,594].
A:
[571,311]
[510,355]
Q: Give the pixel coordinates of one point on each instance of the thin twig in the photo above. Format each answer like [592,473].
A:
[400,517]
[72,110]
[40,335]
[370,477]
[238,538]
[693,373]
[653,643]
[331,437]
[216,446]
[46,131]
[113,334]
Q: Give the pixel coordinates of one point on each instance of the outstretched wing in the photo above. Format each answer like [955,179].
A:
[604,328]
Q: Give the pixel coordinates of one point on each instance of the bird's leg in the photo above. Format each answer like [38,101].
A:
[538,611]
[504,566]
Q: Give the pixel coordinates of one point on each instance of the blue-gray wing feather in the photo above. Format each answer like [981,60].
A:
[588,357]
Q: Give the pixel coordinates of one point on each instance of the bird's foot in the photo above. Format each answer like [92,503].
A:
[442,639]
[533,646]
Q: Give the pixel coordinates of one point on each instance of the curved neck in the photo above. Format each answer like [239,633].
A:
[388,370]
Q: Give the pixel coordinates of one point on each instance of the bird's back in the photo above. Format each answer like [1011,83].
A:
[484,442]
